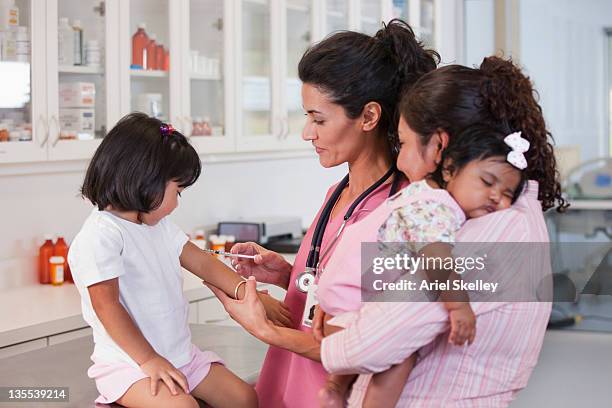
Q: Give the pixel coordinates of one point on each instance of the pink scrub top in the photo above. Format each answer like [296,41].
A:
[340,291]
[288,379]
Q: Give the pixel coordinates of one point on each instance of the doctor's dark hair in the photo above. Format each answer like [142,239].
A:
[132,166]
[353,69]
[497,93]
[477,142]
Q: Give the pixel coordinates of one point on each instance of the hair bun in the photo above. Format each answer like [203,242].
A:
[412,60]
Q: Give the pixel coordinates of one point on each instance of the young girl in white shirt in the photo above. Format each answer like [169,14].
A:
[126,261]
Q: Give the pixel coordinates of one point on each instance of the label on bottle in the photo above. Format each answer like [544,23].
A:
[13,18]
[59,274]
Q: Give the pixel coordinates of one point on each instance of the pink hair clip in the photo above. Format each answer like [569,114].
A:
[166,129]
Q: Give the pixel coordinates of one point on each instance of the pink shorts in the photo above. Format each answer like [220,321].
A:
[114,379]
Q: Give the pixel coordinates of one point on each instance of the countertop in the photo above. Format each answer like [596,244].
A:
[66,364]
[573,370]
[38,311]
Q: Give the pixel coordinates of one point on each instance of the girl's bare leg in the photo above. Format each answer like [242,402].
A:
[386,388]
[334,394]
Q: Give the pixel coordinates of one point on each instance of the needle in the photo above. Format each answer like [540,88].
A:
[217,252]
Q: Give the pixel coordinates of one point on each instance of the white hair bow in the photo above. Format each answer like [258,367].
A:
[519,146]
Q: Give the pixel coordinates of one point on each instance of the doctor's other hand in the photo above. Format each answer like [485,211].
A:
[249,311]
[267,267]
[277,311]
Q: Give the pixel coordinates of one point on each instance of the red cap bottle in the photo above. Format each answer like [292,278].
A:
[61,249]
[44,253]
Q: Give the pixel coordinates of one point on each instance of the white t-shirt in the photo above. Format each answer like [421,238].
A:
[145,259]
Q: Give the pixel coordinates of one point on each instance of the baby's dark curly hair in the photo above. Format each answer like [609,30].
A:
[497,93]
[478,142]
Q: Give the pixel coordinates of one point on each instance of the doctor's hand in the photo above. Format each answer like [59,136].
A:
[249,311]
[268,266]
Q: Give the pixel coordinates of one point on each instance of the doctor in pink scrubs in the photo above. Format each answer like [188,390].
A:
[351,86]
[498,364]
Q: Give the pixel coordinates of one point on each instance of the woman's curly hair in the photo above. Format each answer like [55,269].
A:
[497,93]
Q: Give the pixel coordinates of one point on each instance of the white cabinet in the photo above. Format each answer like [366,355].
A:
[224,72]
[272,36]
[71,335]
[42,123]
[207,83]
[211,311]
[24,347]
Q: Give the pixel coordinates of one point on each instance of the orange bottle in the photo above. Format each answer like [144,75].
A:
[56,270]
[159,56]
[139,43]
[61,249]
[166,66]
[151,53]
[44,253]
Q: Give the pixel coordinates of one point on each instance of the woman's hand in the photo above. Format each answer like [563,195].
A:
[249,311]
[268,266]
[320,328]
[158,368]
[277,311]
[317,324]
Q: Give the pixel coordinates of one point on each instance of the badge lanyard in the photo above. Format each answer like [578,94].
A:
[306,278]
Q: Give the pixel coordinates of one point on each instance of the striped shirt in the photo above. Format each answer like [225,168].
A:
[487,373]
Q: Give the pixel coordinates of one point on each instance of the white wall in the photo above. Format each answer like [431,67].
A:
[479,29]
[563,50]
[32,205]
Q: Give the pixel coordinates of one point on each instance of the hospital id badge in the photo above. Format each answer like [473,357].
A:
[309,308]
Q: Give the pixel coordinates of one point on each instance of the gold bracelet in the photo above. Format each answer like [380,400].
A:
[243,281]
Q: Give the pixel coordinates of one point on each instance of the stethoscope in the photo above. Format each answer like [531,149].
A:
[306,278]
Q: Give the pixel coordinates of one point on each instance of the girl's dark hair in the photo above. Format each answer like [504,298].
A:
[497,93]
[132,166]
[477,142]
[354,69]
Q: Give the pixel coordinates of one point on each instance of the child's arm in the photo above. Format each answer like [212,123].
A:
[456,302]
[216,273]
[122,329]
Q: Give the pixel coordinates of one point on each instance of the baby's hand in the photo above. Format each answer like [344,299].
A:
[158,368]
[463,325]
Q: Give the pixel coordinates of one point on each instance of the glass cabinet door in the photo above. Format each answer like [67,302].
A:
[420,14]
[298,34]
[150,58]
[255,72]
[78,106]
[336,15]
[205,68]
[370,16]
[23,118]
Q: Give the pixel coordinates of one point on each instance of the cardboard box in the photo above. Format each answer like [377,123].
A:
[77,95]
[77,123]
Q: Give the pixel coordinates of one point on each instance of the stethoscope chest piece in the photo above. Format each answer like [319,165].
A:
[304,280]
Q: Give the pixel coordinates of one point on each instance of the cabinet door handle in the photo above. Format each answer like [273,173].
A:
[57,129]
[42,119]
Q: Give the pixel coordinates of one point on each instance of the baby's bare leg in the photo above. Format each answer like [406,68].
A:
[334,393]
[386,388]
